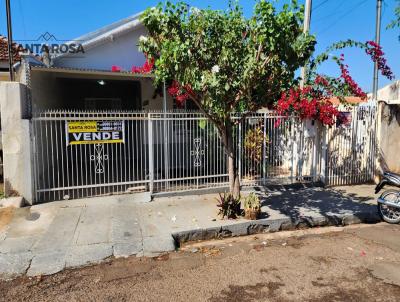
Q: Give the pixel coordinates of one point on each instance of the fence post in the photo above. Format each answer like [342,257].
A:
[151,154]
[240,152]
[324,150]
[166,148]
[264,176]
[315,151]
[294,146]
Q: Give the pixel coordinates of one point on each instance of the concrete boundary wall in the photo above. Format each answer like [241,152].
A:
[389,137]
[389,128]
[16,139]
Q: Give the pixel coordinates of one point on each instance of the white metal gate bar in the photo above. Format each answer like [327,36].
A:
[352,148]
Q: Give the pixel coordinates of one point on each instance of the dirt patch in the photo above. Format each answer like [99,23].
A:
[6,215]
[248,293]
[322,268]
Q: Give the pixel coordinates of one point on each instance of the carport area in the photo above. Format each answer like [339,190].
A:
[93,90]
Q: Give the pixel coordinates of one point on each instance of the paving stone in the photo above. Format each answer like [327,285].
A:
[88,254]
[47,264]
[123,250]
[125,224]
[158,244]
[14,265]
[17,245]
[94,225]
[60,232]
[15,202]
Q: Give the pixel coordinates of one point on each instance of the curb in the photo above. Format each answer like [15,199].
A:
[273,225]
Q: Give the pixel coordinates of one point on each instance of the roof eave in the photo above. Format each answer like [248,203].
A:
[105,34]
[93,72]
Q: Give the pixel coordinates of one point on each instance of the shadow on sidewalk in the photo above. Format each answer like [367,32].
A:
[315,201]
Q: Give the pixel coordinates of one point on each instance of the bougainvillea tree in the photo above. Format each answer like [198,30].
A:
[226,63]
[313,100]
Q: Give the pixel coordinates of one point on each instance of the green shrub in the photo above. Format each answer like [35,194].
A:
[252,202]
[229,206]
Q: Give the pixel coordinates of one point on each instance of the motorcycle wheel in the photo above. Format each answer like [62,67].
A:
[388,213]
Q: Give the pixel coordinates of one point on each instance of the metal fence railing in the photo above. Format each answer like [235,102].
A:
[351,148]
[81,154]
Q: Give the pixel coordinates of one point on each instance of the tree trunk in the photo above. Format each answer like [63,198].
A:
[230,149]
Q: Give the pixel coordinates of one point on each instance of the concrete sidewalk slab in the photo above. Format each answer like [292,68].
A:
[15,245]
[88,254]
[14,265]
[127,249]
[47,263]
[61,231]
[94,225]
[15,202]
[125,225]
[287,209]
[47,238]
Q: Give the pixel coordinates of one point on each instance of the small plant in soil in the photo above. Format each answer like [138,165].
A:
[229,206]
[252,206]
[253,146]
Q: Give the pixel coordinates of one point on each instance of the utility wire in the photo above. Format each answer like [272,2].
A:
[334,13]
[343,16]
[319,5]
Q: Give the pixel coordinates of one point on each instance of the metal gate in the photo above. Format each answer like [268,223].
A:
[70,171]
[165,152]
[351,147]
[179,151]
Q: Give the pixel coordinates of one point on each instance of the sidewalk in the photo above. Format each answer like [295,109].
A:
[47,238]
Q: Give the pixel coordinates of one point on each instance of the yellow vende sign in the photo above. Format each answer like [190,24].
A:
[95,132]
[77,127]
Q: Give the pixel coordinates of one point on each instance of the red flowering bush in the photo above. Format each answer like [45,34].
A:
[309,103]
[115,68]
[146,68]
[374,50]
[179,93]
[355,90]
[312,102]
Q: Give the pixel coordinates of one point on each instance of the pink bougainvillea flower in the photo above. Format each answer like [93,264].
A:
[308,104]
[146,68]
[179,92]
[115,68]
[376,53]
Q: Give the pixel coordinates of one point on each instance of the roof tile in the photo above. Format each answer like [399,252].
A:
[16,49]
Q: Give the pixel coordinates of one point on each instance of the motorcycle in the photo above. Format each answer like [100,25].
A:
[389,201]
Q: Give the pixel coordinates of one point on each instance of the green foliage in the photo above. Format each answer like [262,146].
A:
[231,63]
[318,60]
[337,87]
[252,202]
[396,22]
[229,206]
[253,144]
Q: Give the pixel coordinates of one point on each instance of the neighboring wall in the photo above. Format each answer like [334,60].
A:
[16,140]
[389,128]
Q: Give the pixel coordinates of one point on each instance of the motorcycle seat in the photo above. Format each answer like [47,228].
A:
[393,176]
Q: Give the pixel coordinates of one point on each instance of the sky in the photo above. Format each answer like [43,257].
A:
[332,21]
